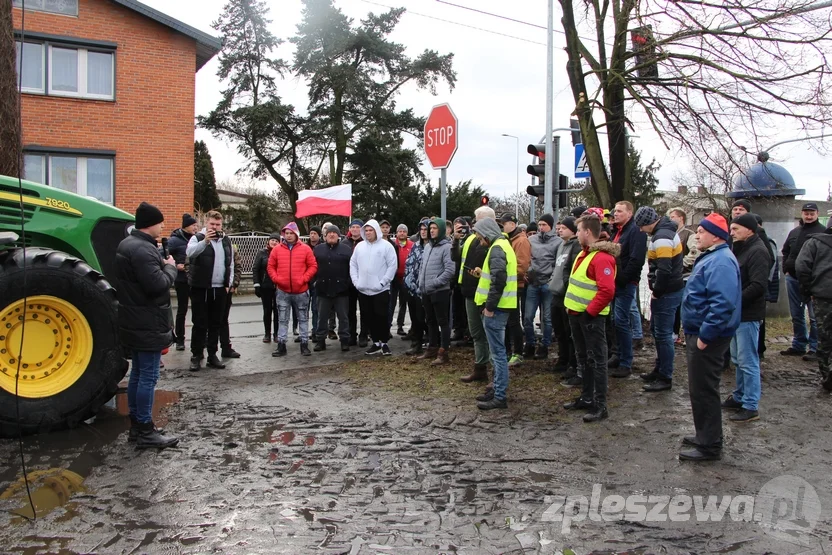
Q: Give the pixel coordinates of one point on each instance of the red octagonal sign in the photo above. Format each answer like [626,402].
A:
[440,136]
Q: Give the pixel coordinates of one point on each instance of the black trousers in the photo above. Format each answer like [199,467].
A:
[374,309]
[183,292]
[365,326]
[563,333]
[437,306]
[207,313]
[270,315]
[460,316]
[398,295]
[417,318]
[761,340]
[514,329]
[704,373]
[329,307]
[225,332]
[589,337]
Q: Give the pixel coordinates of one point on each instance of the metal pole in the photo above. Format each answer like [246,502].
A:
[517,174]
[556,171]
[550,95]
[443,192]
[532,200]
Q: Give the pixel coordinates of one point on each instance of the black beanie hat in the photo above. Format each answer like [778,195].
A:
[316,229]
[578,211]
[548,219]
[742,202]
[148,215]
[747,221]
[188,220]
[532,227]
[569,222]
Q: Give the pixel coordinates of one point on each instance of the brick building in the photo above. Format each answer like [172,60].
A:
[108,100]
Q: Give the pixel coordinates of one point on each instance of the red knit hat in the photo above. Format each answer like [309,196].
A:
[715,225]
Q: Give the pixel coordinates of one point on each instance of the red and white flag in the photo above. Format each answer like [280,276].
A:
[334,201]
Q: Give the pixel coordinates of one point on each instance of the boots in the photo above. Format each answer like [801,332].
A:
[214,362]
[441,358]
[528,350]
[542,352]
[133,434]
[480,374]
[148,437]
[415,348]
[304,349]
[195,364]
[280,350]
[320,346]
[429,354]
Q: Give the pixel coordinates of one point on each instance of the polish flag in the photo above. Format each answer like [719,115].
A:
[334,201]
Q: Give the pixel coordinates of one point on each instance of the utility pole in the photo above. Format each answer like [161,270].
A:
[550,96]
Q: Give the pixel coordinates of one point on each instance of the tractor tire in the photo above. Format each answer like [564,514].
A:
[72,362]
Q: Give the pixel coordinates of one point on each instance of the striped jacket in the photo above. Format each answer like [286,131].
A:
[664,259]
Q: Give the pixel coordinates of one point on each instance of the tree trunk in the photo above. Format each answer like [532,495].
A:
[11,151]
[340,139]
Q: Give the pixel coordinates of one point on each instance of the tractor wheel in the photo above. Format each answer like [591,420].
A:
[71,360]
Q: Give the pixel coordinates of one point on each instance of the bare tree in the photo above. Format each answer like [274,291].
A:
[702,74]
[705,186]
[10,154]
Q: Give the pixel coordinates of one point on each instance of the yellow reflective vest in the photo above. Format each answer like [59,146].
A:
[582,290]
[508,299]
[465,246]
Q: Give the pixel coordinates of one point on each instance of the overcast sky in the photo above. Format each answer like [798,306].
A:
[501,88]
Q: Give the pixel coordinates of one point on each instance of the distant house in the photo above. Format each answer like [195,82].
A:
[108,100]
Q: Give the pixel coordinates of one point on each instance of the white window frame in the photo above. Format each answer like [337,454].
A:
[80,168]
[42,46]
[41,8]
[82,74]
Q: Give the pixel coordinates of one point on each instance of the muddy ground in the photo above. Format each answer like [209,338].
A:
[340,454]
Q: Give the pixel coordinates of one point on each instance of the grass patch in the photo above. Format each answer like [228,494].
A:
[776,327]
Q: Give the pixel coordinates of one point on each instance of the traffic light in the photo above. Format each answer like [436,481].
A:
[538,190]
[484,200]
[644,47]
[575,125]
[537,170]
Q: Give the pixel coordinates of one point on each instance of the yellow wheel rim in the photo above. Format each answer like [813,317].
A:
[56,351]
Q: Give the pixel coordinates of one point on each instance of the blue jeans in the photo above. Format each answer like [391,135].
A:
[299,303]
[538,295]
[663,312]
[144,373]
[797,308]
[624,324]
[635,316]
[745,356]
[495,332]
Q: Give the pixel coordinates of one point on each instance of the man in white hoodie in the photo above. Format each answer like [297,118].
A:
[372,268]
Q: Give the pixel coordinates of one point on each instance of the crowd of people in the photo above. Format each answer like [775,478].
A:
[512,291]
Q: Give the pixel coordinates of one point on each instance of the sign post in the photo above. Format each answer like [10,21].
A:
[440,145]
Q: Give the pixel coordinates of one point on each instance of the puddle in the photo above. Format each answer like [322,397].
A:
[161,401]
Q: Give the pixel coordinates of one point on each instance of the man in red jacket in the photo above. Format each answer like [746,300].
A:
[291,267]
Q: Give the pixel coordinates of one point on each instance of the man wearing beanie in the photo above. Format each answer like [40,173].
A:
[144,281]
[711,312]
[664,276]
[472,256]
[741,206]
[459,317]
[814,270]
[544,247]
[177,245]
[352,239]
[398,292]
[567,251]
[316,237]
[754,259]
[210,275]
[264,288]
[333,285]
[523,251]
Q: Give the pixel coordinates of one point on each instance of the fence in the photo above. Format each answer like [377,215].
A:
[249,244]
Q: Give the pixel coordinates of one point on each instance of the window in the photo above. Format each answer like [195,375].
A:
[32,59]
[81,72]
[63,7]
[85,175]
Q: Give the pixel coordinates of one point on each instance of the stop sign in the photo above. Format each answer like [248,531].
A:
[440,136]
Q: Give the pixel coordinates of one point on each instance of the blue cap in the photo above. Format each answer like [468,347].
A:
[357,222]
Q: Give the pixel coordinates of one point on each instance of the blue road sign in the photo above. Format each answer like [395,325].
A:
[581,167]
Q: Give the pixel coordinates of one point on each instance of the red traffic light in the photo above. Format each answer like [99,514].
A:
[484,200]
[537,150]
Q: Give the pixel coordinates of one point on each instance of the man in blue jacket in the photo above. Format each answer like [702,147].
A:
[711,309]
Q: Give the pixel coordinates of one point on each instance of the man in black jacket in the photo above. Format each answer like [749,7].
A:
[754,259]
[333,285]
[264,288]
[629,263]
[210,275]
[177,244]
[567,251]
[813,268]
[352,238]
[809,225]
[144,319]
[472,256]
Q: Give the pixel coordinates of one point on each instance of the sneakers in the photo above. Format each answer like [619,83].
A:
[280,351]
[579,404]
[745,415]
[811,356]
[385,350]
[214,362]
[730,403]
[650,377]
[792,352]
[574,381]
[304,349]
[375,349]
[597,414]
[180,346]
[621,372]
[660,384]
[494,403]
[515,360]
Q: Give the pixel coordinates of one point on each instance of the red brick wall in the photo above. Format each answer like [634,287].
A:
[150,125]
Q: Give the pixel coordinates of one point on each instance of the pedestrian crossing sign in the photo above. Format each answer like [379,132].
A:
[581,167]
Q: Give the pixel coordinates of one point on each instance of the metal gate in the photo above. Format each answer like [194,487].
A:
[249,244]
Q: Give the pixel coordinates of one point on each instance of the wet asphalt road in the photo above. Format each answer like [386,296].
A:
[281,456]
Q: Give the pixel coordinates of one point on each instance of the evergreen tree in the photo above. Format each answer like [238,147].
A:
[205,184]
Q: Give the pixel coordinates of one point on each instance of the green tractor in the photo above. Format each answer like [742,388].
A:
[60,274]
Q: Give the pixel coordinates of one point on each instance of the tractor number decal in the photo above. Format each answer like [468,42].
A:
[47,203]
